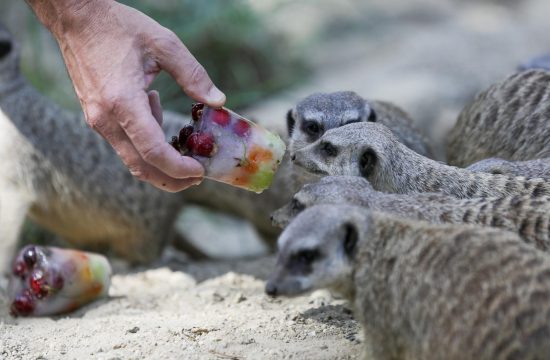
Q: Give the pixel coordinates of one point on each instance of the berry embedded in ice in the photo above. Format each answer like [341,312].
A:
[184,134]
[19,268]
[175,143]
[221,117]
[30,256]
[201,144]
[196,111]
[38,284]
[241,127]
[23,304]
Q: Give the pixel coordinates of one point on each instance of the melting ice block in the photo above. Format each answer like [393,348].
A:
[232,149]
[49,280]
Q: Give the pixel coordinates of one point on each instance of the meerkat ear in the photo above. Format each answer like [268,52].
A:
[350,239]
[290,122]
[372,114]
[367,162]
[5,48]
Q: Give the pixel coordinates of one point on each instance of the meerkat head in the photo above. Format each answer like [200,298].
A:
[369,150]
[320,112]
[317,250]
[492,166]
[9,55]
[328,190]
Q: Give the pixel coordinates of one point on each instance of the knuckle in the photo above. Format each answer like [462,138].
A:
[196,77]
[151,154]
[139,172]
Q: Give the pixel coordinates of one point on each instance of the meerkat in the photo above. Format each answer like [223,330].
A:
[320,112]
[421,291]
[538,168]
[509,120]
[528,217]
[372,151]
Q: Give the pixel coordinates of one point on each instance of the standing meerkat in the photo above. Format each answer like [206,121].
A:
[509,120]
[530,169]
[371,150]
[422,291]
[528,217]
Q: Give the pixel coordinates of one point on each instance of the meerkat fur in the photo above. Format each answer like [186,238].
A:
[422,291]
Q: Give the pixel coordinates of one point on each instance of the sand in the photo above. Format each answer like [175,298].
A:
[209,310]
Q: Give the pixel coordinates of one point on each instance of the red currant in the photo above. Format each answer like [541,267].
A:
[201,144]
[23,304]
[221,117]
[241,127]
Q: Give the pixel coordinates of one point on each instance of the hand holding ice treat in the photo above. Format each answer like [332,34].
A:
[232,149]
[50,280]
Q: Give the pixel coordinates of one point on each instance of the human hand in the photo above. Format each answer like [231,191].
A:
[113,53]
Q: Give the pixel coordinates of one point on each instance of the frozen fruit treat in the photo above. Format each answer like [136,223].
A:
[232,149]
[49,280]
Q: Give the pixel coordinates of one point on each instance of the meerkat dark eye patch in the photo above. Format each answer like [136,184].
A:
[5,48]
[290,122]
[372,116]
[312,129]
[367,162]
[350,239]
[327,149]
[296,206]
[302,261]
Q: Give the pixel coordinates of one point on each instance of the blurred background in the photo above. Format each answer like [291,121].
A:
[428,56]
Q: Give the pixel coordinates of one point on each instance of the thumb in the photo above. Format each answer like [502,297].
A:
[191,76]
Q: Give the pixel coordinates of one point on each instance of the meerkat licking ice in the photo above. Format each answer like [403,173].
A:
[422,291]
[371,150]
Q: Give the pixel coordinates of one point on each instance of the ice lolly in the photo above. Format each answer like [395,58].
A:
[232,149]
[49,280]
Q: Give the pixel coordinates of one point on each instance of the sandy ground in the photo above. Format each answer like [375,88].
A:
[211,310]
[430,57]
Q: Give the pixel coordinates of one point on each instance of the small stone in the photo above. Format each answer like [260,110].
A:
[133,330]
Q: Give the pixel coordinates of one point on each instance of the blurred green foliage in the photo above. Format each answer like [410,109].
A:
[243,57]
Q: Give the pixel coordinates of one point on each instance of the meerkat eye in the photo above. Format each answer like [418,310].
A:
[372,116]
[367,162]
[5,48]
[296,205]
[307,256]
[328,149]
[311,128]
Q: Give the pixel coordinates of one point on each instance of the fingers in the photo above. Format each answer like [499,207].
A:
[139,168]
[156,107]
[176,59]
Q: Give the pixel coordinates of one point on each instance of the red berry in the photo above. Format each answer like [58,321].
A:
[221,117]
[23,304]
[241,128]
[30,256]
[184,134]
[201,144]
[38,284]
[196,111]
[19,268]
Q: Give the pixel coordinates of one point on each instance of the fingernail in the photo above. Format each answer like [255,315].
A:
[215,96]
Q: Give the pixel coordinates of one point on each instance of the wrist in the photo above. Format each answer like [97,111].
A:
[61,16]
